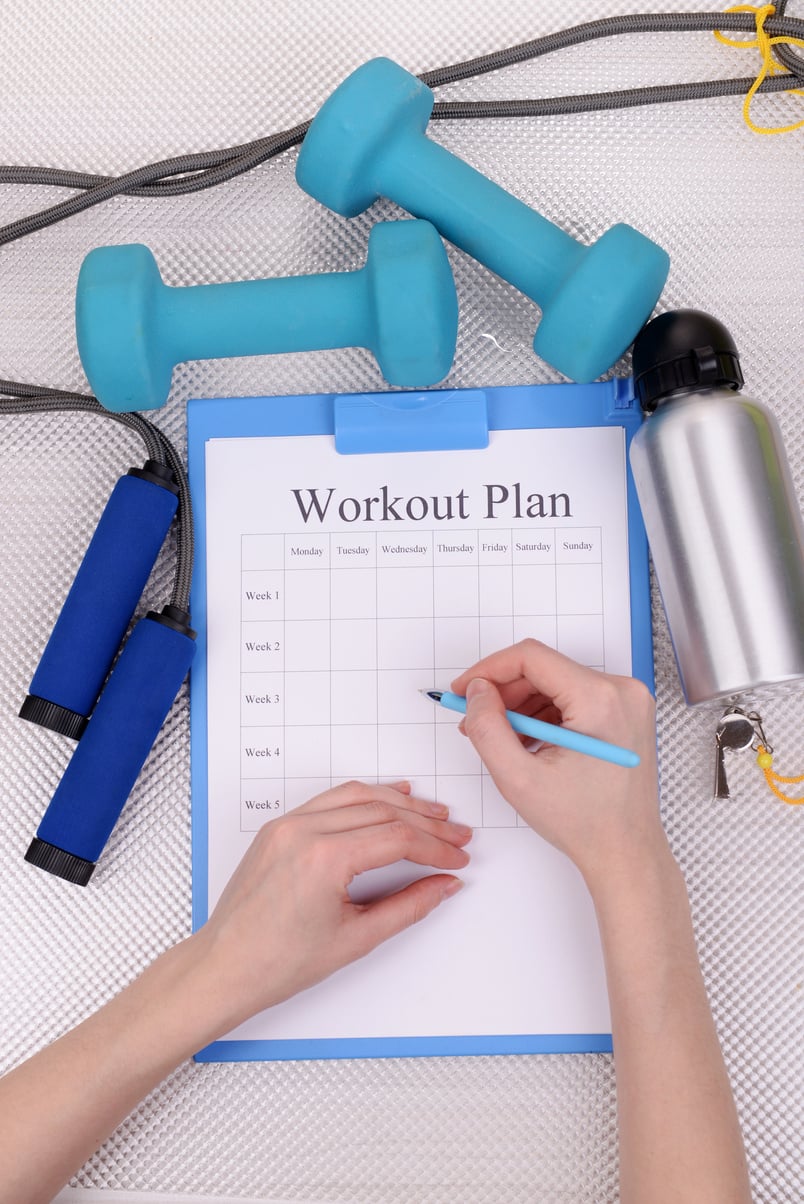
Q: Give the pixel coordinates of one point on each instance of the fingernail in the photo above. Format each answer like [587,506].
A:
[464,831]
[476,687]
[451,888]
[403,786]
[439,809]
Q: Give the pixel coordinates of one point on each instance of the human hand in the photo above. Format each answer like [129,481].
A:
[602,816]
[285,920]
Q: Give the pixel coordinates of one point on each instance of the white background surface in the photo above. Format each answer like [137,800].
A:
[105,87]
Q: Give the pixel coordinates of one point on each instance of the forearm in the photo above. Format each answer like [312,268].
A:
[679,1134]
[57,1108]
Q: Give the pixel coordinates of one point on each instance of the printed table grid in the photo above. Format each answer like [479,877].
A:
[341,631]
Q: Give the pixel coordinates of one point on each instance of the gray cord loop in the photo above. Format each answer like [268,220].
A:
[206,169]
[38,398]
[35,399]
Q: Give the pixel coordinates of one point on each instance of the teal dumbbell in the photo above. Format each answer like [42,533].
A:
[132,329]
[368,140]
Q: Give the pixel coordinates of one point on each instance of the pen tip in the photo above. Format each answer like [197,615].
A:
[435,695]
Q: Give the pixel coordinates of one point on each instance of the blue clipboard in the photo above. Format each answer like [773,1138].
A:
[385,422]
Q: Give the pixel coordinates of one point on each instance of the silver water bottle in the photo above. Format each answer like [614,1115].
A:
[720,511]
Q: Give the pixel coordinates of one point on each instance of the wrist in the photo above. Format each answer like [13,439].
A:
[173,1009]
[220,987]
[639,875]
[204,990]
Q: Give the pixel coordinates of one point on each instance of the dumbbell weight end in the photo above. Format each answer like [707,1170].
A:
[601,306]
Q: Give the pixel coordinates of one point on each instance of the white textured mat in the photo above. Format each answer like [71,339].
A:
[105,87]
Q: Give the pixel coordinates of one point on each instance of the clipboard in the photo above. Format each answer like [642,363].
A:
[387,423]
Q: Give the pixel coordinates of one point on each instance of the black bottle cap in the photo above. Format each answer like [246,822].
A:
[683,349]
[157,474]
[51,715]
[59,862]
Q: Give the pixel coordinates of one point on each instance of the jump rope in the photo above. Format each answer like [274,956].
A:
[70,684]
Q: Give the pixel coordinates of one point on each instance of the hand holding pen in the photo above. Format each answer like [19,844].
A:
[548,733]
[601,815]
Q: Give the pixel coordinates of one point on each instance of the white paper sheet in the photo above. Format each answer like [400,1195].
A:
[338,587]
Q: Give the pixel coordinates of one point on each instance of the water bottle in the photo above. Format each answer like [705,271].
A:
[720,510]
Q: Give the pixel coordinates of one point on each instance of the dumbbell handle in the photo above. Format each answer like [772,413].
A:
[258,317]
[477,215]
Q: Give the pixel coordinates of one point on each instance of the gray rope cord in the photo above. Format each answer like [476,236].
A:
[30,399]
[790,58]
[35,399]
[206,169]
[553,106]
[133,181]
[185,532]
[199,170]
[608,27]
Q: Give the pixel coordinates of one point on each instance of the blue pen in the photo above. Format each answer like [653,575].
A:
[550,733]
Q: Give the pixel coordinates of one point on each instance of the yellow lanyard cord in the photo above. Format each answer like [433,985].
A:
[763,43]
[765,762]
